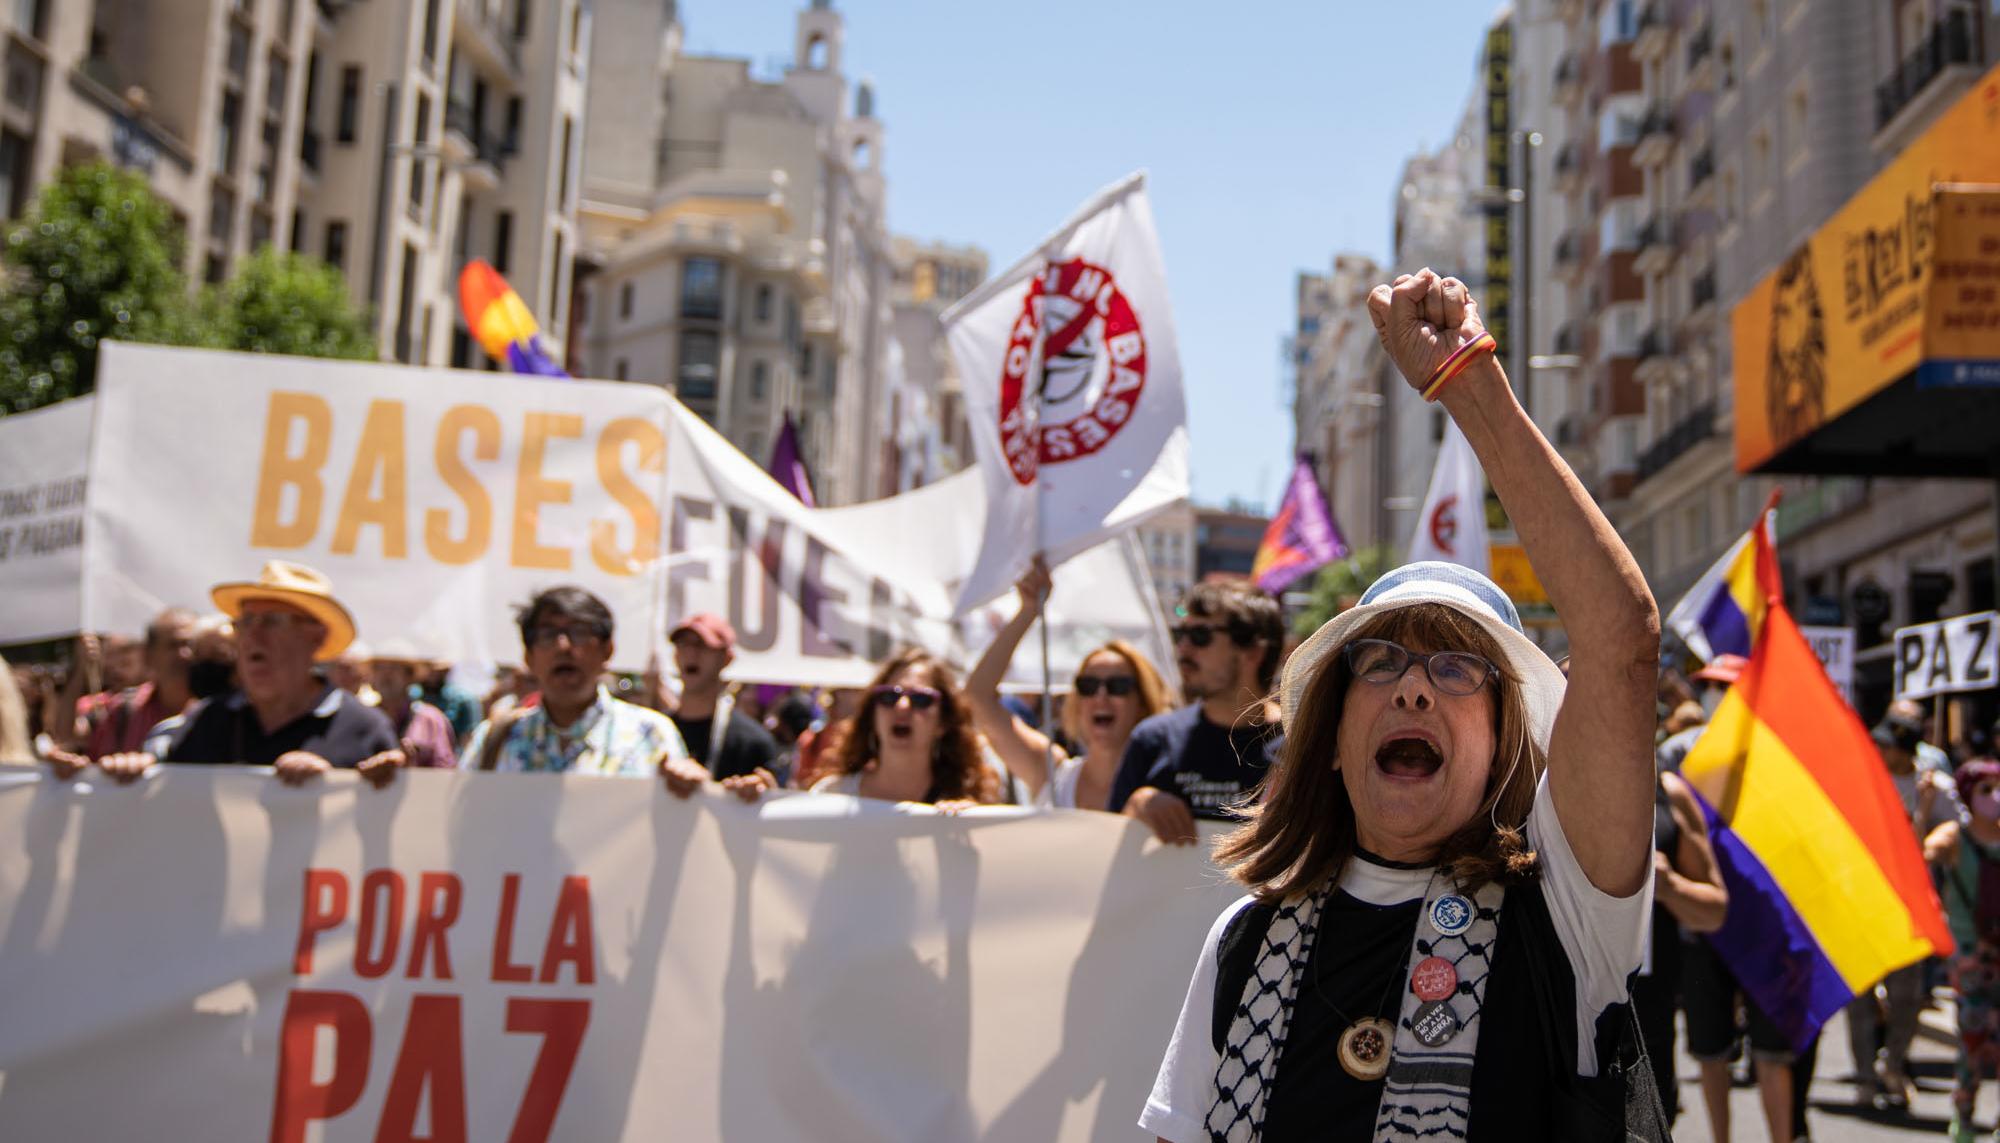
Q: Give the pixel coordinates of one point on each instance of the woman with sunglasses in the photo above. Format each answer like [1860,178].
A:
[1449,869]
[912,740]
[1114,688]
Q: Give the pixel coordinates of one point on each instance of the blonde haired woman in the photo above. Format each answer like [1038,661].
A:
[1114,688]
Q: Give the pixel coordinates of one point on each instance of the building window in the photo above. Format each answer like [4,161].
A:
[619,369]
[15,151]
[349,114]
[521,16]
[575,28]
[430,31]
[762,307]
[214,270]
[336,245]
[1727,197]
[221,215]
[760,381]
[225,132]
[701,288]
[418,167]
[556,312]
[30,15]
[511,140]
[562,185]
[1760,166]
[1617,22]
[625,302]
[405,305]
[298,243]
[277,77]
[503,239]
[700,357]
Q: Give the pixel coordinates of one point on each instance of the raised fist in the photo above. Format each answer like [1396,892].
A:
[1422,319]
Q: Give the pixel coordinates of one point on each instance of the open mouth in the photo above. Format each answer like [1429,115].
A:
[1103,720]
[899,730]
[1409,758]
[564,673]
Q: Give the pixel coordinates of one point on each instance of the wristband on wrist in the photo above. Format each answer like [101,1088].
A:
[1457,363]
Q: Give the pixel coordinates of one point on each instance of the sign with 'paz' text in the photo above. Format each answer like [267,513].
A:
[1948,656]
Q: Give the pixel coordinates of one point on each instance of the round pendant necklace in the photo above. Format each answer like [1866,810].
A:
[1367,1043]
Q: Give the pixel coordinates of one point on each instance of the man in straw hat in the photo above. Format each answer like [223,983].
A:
[282,715]
[1449,868]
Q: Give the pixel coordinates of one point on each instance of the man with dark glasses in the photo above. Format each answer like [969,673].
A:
[1196,761]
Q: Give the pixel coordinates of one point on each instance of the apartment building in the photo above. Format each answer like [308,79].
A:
[1338,404]
[1763,118]
[734,226]
[1168,538]
[394,139]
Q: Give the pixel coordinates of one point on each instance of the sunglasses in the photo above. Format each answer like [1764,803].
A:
[1379,661]
[921,698]
[1200,634]
[1117,686]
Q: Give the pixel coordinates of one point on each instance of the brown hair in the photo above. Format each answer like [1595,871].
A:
[1152,695]
[958,761]
[1300,833]
[1250,614]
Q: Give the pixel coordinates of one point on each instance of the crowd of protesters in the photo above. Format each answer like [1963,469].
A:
[275,676]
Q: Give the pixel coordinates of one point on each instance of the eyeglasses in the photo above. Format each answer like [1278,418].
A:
[1453,672]
[921,698]
[1117,686]
[1200,634]
[578,634]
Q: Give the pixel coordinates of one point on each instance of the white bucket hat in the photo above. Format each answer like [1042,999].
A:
[1464,591]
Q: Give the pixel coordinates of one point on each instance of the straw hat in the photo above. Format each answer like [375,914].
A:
[1464,591]
[295,585]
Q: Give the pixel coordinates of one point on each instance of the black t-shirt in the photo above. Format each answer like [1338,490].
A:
[1209,766]
[1524,1084]
[745,747]
[339,729]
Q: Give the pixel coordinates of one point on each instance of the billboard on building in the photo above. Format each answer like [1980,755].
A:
[1496,298]
[1844,316]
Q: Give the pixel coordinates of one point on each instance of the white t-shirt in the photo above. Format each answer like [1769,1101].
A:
[1060,793]
[1605,938]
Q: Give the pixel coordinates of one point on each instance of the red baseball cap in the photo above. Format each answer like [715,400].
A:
[713,630]
[1724,669]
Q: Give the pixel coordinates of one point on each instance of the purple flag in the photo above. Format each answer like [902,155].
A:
[787,467]
[1302,537]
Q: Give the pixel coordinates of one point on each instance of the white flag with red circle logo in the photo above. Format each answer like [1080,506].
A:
[1073,390]
[1452,526]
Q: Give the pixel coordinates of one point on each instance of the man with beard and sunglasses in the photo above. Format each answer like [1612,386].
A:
[1198,761]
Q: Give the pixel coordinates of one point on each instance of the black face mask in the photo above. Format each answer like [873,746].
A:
[209,677]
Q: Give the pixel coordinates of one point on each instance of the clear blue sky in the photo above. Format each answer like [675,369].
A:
[1273,134]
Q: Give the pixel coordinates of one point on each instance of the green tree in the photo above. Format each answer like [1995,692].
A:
[278,302]
[1339,585]
[98,257]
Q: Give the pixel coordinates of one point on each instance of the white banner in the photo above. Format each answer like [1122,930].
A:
[1073,388]
[211,955]
[42,490]
[437,501]
[1835,648]
[1948,656]
[1452,525]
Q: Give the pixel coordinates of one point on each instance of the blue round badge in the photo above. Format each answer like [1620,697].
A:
[1451,915]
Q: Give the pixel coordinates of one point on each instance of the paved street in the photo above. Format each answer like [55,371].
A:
[1833,1117]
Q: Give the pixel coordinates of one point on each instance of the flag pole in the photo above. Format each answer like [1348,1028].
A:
[1050,252]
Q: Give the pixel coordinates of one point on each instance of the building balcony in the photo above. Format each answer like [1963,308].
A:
[492,46]
[1656,246]
[1701,59]
[1568,341]
[1569,167]
[1656,355]
[1702,295]
[1568,79]
[1690,431]
[1942,65]
[1569,254]
[1655,31]
[1656,136]
[480,156]
[1701,179]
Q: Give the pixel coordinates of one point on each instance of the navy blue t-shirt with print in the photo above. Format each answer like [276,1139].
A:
[1209,766]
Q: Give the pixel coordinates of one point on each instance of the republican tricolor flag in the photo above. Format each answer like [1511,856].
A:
[1827,887]
[1302,537]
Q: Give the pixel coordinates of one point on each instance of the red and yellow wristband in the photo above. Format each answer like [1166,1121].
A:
[1457,363]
